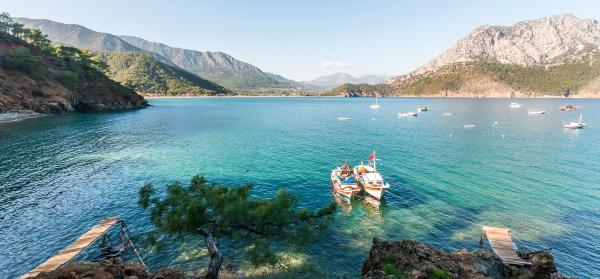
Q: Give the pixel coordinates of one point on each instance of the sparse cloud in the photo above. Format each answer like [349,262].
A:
[334,64]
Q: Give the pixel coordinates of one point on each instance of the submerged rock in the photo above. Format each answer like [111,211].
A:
[413,259]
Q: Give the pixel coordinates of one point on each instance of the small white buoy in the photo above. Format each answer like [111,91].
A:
[450,136]
[502,135]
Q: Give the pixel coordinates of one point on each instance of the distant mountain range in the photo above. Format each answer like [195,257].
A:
[337,79]
[218,67]
[554,55]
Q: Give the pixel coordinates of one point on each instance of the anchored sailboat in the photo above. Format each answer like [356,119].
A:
[575,125]
[376,105]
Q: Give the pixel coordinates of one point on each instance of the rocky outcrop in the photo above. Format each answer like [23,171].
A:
[531,42]
[109,269]
[54,85]
[413,259]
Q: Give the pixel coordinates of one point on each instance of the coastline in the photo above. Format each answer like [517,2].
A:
[395,96]
[9,117]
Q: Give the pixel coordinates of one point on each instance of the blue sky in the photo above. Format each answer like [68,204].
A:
[303,39]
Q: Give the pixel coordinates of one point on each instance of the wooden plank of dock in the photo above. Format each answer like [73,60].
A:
[71,251]
[501,242]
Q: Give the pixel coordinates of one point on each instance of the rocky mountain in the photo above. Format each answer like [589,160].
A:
[532,42]
[337,79]
[551,56]
[218,67]
[36,79]
[140,72]
[77,35]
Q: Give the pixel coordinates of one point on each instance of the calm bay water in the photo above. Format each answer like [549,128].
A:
[59,175]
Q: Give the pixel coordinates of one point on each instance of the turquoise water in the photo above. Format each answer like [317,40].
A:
[61,174]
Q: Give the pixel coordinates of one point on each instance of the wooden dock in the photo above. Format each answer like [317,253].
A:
[501,242]
[70,252]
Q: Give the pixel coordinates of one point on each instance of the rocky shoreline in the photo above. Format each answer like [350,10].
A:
[387,259]
[8,117]
[416,260]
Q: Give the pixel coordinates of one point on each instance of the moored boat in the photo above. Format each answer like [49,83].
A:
[376,105]
[575,125]
[536,111]
[568,108]
[369,179]
[343,181]
[408,113]
[515,105]
[422,109]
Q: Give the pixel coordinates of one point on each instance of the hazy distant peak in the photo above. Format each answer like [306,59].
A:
[337,79]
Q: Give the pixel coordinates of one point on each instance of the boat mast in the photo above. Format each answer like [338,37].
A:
[373,162]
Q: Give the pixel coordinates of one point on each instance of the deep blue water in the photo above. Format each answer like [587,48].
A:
[59,175]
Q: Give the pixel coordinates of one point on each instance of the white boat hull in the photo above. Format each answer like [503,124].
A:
[371,181]
[537,112]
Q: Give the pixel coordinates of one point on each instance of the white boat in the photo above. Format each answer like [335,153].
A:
[466,126]
[447,114]
[575,125]
[343,118]
[536,111]
[515,105]
[344,182]
[408,113]
[369,179]
[376,105]
[568,108]
[422,109]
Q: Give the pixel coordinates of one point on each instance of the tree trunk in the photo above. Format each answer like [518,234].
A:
[216,259]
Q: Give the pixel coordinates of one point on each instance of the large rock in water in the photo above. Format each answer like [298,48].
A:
[109,269]
[413,259]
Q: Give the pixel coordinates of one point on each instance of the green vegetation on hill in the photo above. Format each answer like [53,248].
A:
[363,89]
[142,73]
[529,80]
[37,75]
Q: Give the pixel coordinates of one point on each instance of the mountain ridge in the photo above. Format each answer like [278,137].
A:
[528,42]
[215,66]
[140,72]
[551,56]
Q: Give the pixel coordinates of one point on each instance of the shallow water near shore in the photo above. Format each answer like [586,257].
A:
[59,175]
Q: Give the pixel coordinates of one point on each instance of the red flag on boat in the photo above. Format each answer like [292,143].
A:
[372,156]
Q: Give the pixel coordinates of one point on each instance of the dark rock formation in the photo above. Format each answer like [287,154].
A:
[109,269]
[413,259]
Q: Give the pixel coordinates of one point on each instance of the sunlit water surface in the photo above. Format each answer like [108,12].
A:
[59,175]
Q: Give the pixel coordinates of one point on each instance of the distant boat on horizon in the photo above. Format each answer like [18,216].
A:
[536,111]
